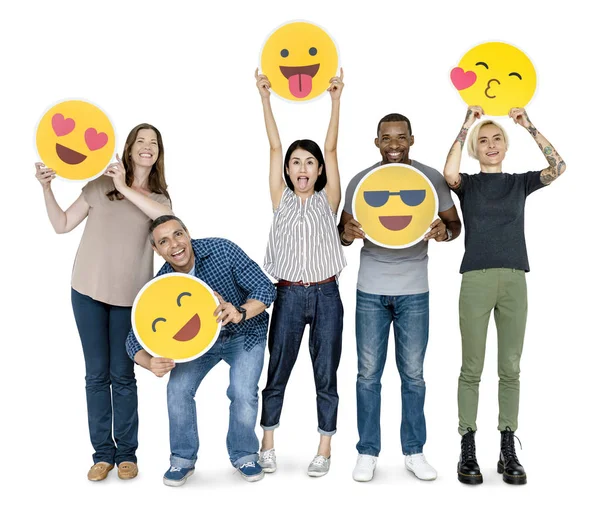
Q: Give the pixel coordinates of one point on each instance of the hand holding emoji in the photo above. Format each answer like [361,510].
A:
[161,366]
[44,175]
[473,113]
[116,171]
[226,312]
[263,84]
[437,232]
[336,85]
[519,116]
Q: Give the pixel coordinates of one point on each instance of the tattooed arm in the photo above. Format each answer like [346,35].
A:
[557,165]
[452,167]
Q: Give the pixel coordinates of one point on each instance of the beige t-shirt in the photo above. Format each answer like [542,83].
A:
[115,258]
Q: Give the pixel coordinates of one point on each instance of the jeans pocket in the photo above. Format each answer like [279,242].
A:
[330,290]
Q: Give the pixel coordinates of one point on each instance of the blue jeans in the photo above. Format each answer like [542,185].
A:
[244,372]
[320,307]
[410,317]
[103,329]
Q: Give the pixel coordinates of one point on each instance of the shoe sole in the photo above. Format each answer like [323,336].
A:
[422,479]
[252,479]
[102,478]
[178,482]
[470,479]
[127,476]
[316,474]
[364,480]
[510,479]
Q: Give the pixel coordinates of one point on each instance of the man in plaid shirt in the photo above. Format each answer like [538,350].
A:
[244,292]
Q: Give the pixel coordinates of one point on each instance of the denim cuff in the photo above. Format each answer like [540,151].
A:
[269,427]
[245,459]
[182,462]
[325,433]
[415,450]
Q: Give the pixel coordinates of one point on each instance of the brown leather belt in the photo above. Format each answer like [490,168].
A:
[285,283]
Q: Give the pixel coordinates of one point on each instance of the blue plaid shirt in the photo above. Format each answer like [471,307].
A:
[226,268]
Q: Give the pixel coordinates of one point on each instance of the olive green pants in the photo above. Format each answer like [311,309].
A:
[504,291]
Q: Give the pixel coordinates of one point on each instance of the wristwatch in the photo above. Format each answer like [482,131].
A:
[242,311]
[449,233]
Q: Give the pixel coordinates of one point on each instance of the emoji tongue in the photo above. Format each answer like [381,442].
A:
[300,85]
[302,182]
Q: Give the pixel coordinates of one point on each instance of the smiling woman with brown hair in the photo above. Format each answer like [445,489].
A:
[493,269]
[113,262]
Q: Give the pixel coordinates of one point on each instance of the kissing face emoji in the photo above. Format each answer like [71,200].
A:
[76,139]
[395,204]
[495,76]
[299,58]
[172,317]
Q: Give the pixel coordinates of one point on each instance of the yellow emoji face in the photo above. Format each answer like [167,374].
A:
[495,76]
[395,204]
[76,139]
[299,58]
[172,317]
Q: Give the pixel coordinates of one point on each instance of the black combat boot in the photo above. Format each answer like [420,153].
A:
[510,468]
[468,469]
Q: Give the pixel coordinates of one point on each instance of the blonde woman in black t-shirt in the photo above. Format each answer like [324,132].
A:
[493,269]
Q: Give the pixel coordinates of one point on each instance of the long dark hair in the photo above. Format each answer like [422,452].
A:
[313,148]
[156,180]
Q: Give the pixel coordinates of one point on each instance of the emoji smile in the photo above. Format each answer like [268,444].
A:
[395,223]
[69,156]
[189,330]
[489,86]
[300,79]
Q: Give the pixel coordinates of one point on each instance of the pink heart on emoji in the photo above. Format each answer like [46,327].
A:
[95,140]
[62,126]
[461,79]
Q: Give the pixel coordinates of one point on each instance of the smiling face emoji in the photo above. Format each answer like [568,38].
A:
[395,204]
[76,139]
[495,76]
[172,317]
[299,58]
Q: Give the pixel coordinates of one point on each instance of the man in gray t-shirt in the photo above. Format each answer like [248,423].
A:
[393,289]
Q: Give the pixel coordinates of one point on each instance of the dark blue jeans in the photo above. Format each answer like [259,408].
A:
[321,308]
[410,317]
[103,329]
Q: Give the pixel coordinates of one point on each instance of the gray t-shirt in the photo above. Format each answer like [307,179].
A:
[396,272]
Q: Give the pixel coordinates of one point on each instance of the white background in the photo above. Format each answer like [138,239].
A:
[188,69]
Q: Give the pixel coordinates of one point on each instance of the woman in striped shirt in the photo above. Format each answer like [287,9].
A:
[304,253]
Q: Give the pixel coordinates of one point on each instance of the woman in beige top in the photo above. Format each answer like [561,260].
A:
[113,262]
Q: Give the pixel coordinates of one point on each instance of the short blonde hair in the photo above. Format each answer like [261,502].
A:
[472,142]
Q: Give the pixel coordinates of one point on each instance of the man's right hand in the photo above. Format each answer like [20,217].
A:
[160,366]
[352,231]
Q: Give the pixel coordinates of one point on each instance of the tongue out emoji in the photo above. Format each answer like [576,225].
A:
[300,79]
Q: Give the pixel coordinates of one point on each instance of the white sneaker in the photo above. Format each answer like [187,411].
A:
[267,460]
[365,467]
[418,465]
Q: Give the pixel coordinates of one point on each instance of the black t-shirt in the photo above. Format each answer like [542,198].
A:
[493,207]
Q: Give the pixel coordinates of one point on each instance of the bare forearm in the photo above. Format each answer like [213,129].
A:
[271,126]
[452,167]
[556,164]
[143,358]
[253,308]
[57,217]
[149,207]
[334,123]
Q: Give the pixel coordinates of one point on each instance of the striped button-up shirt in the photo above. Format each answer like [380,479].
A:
[304,243]
[226,268]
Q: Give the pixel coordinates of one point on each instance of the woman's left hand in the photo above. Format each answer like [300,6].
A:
[519,116]
[116,171]
[437,232]
[336,85]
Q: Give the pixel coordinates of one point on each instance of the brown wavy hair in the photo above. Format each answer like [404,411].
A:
[156,180]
